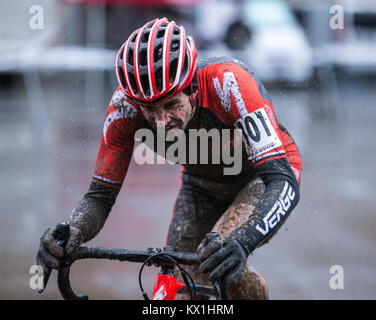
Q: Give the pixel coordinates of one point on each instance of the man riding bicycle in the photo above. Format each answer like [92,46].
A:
[162,85]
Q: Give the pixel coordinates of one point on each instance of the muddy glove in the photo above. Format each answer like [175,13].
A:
[56,243]
[85,223]
[222,256]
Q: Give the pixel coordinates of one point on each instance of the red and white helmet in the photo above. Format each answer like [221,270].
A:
[157,61]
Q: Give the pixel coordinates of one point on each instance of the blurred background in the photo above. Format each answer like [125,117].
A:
[57,77]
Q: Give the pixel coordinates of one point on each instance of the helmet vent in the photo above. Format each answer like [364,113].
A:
[158,79]
[145,84]
[130,57]
[185,66]
[132,80]
[173,68]
[145,37]
[122,79]
[158,51]
[161,33]
[143,58]
[174,45]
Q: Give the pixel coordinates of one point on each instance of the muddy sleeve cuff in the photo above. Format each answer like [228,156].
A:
[92,211]
[279,199]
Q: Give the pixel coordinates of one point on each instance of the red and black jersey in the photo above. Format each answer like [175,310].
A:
[228,97]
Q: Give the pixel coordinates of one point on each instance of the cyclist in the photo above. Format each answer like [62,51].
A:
[162,84]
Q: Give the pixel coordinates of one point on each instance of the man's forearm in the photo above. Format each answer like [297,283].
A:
[280,198]
[92,211]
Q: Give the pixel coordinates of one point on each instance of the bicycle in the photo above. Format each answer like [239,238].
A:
[166,285]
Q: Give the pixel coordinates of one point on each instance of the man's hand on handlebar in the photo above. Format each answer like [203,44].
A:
[57,243]
[222,256]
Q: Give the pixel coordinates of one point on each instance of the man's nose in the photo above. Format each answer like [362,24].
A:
[162,117]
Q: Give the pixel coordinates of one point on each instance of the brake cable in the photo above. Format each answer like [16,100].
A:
[183,273]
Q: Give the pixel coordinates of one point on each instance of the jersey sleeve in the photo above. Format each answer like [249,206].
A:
[241,101]
[114,156]
[117,141]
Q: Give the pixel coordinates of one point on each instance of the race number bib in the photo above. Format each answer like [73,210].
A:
[259,134]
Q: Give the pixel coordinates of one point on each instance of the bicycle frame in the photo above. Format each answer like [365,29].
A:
[166,286]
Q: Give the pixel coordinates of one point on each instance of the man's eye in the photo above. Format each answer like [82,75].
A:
[172,107]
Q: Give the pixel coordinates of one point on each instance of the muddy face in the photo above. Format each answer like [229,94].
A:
[173,113]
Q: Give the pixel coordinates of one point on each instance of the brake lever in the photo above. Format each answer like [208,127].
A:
[61,235]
